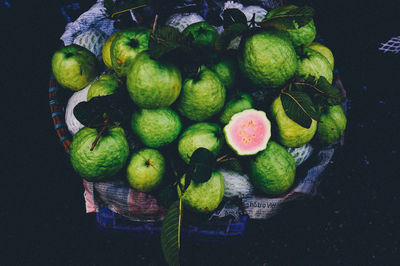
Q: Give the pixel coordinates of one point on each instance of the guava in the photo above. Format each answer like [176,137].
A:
[105,160]
[301,36]
[202,97]
[248,132]
[93,40]
[312,63]
[301,154]
[106,50]
[74,67]
[103,86]
[236,104]
[267,59]
[325,51]
[204,135]
[273,170]
[204,35]
[331,125]
[182,20]
[153,84]
[156,127]
[204,197]
[145,170]
[289,133]
[226,72]
[126,46]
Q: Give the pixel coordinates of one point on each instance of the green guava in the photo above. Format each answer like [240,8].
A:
[107,157]
[145,170]
[289,133]
[267,59]
[153,84]
[126,46]
[331,125]
[74,67]
[301,36]
[103,86]
[312,63]
[325,51]
[236,104]
[204,197]
[202,97]
[204,35]
[248,132]
[273,170]
[106,50]
[226,72]
[205,135]
[156,127]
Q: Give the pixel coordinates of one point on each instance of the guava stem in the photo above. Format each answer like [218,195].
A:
[100,133]
[154,24]
[225,158]
[126,10]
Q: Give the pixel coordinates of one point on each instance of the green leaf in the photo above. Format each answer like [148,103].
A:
[115,106]
[233,16]
[91,114]
[230,33]
[293,19]
[299,107]
[323,92]
[201,165]
[170,233]
[165,40]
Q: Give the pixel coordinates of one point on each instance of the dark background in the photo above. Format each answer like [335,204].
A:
[354,219]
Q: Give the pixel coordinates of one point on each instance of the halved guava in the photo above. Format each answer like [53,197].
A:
[248,132]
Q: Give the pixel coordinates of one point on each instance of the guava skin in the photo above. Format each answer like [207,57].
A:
[236,104]
[153,84]
[202,98]
[145,170]
[273,170]
[103,86]
[332,125]
[289,133]
[126,46]
[106,50]
[203,33]
[106,159]
[74,67]
[267,59]
[301,36]
[156,127]
[205,135]
[204,197]
[325,51]
[226,72]
[314,64]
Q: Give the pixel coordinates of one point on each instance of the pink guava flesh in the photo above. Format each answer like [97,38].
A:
[248,132]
